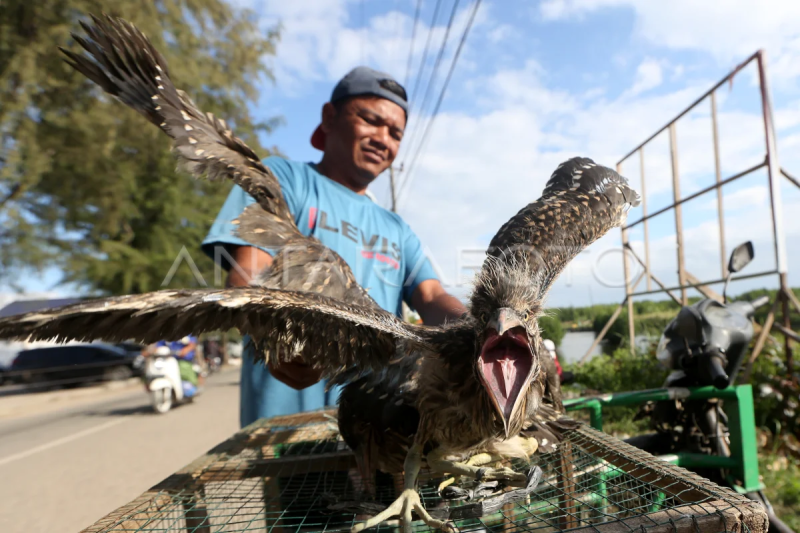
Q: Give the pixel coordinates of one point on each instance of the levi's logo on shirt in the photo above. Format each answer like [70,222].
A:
[373,246]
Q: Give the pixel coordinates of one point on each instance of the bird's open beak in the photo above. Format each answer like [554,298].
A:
[506,362]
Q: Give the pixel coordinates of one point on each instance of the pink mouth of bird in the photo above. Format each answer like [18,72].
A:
[506,362]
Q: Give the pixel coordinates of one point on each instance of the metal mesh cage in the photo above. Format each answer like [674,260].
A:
[295,474]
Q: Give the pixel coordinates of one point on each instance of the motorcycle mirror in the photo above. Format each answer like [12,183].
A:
[741,256]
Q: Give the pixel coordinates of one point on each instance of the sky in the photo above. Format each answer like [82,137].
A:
[537,83]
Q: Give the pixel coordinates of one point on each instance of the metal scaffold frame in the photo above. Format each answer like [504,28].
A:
[785,297]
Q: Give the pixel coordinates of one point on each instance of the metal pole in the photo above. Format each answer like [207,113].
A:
[393,189]
[644,215]
[773,167]
[762,338]
[774,174]
[628,289]
[676,194]
[723,255]
[602,334]
[787,323]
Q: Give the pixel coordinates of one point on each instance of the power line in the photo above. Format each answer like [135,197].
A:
[413,38]
[362,32]
[432,79]
[409,174]
[424,54]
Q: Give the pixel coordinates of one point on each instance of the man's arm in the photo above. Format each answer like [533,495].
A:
[434,304]
[248,263]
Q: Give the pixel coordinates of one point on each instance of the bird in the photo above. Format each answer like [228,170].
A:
[454,397]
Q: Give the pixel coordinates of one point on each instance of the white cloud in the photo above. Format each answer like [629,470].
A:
[321,40]
[478,170]
[482,164]
[755,197]
[729,30]
[648,76]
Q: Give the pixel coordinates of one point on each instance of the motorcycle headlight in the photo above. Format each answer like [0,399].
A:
[158,364]
[663,355]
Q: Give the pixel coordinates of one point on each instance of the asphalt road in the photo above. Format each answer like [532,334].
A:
[64,469]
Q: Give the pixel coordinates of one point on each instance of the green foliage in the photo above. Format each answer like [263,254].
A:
[551,328]
[620,372]
[582,316]
[87,184]
[781,476]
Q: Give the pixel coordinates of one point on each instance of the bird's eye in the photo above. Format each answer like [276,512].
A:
[526,315]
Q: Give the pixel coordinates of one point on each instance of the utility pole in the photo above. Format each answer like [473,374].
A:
[393,186]
[407,313]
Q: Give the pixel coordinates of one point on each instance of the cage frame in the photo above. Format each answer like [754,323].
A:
[701,506]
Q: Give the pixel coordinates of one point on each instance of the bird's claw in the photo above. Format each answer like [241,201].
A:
[403,506]
[501,474]
[458,493]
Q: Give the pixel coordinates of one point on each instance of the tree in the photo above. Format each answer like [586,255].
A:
[87,184]
[551,328]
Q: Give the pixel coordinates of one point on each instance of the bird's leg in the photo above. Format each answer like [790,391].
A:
[438,463]
[479,459]
[408,501]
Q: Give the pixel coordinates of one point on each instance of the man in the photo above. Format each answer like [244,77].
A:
[184,352]
[360,134]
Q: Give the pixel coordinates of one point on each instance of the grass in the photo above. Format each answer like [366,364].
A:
[781,475]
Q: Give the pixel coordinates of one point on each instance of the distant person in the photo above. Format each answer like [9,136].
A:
[184,351]
[564,376]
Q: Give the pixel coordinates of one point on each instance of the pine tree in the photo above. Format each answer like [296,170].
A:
[90,186]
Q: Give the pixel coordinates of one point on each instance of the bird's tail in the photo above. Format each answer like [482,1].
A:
[125,64]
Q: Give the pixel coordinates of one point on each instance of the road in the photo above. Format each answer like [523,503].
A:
[64,469]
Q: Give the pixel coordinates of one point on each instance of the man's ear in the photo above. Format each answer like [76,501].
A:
[329,114]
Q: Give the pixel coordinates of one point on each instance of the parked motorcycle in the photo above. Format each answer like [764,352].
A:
[163,381]
[704,345]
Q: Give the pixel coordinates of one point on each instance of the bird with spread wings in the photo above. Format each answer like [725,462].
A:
[412,393]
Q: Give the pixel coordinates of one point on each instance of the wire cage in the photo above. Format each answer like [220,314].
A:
[295,474]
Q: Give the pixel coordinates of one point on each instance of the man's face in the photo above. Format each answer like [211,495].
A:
[364,135]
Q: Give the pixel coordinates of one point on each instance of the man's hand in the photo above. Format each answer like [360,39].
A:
[249,262]
[296,373]
[434,304]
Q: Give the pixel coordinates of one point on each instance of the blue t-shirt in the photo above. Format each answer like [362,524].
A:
[176,346]
[383,252]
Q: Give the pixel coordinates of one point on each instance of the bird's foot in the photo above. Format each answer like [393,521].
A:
[403,506]
[479,459]
[517,479]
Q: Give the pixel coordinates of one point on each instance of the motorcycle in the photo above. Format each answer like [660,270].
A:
[704,345]
[163,381]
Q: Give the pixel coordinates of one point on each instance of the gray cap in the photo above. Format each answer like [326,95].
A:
[361,81]
[364,80]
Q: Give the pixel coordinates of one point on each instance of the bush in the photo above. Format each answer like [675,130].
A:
[620,372]
[781,475]
[551,328]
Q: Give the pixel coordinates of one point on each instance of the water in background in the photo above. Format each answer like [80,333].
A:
[574,345]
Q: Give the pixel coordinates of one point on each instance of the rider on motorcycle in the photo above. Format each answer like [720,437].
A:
[185,351]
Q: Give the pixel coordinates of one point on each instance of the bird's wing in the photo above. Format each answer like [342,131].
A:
[327,333]
[581,202]
[123,62]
